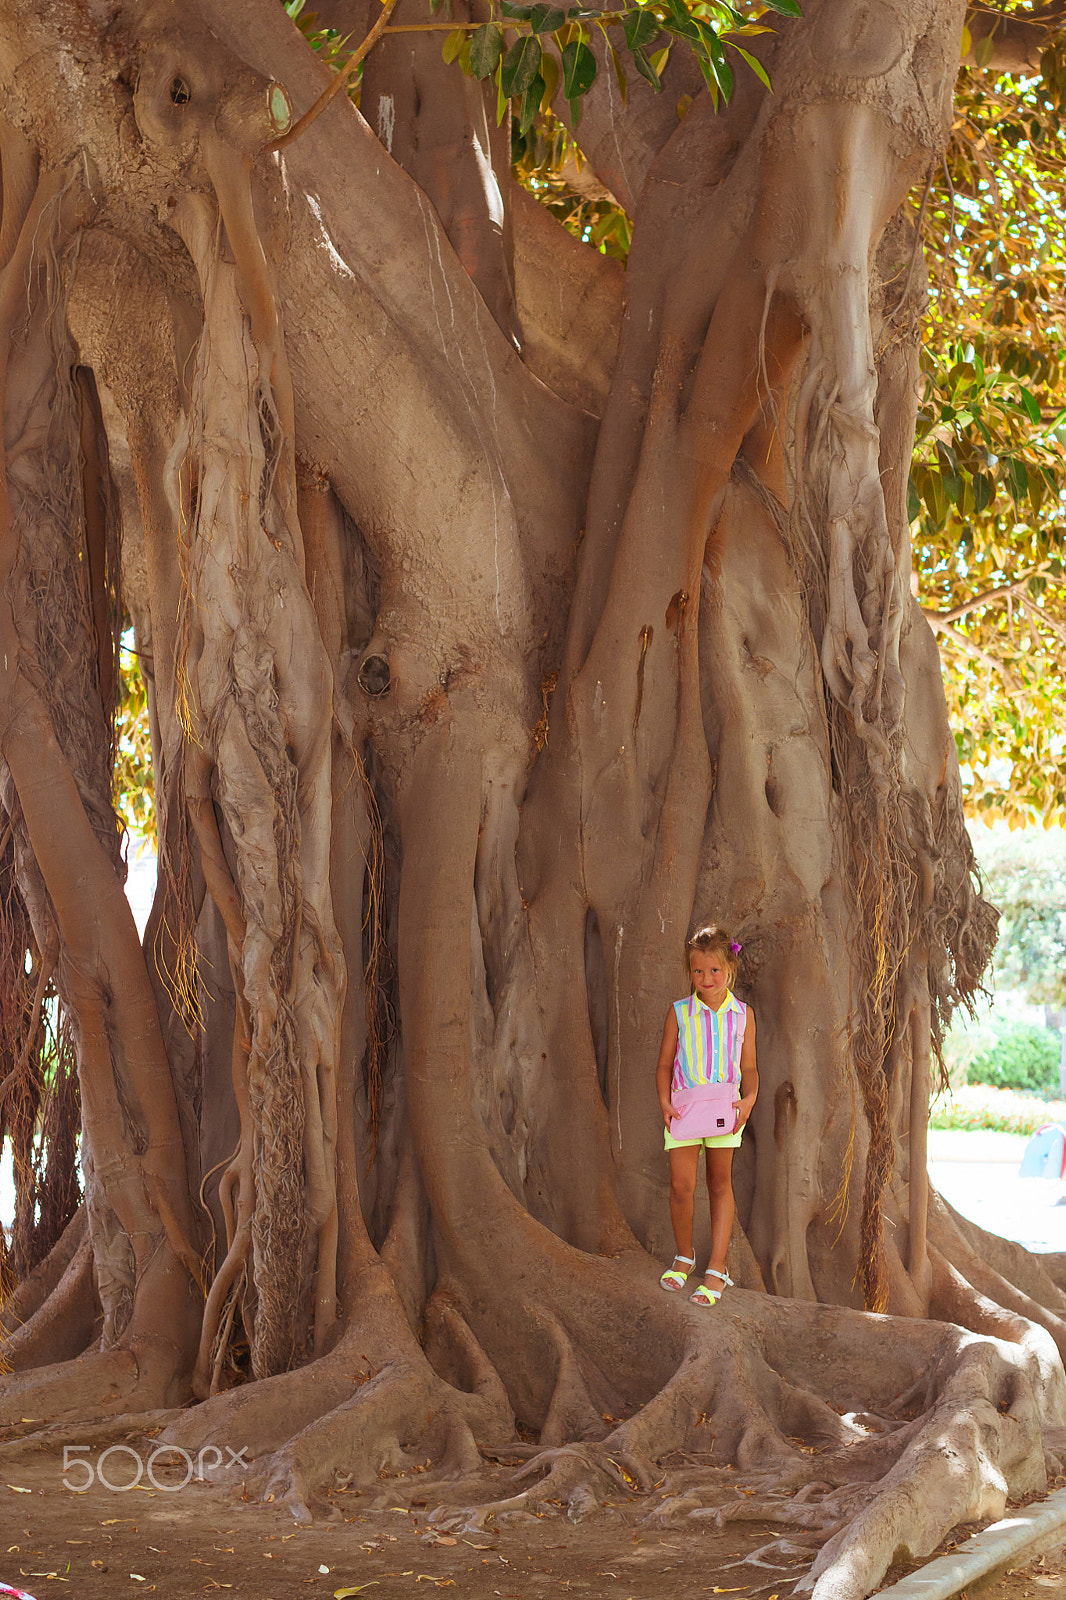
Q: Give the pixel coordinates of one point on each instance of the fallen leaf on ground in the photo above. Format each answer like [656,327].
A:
[343,1594]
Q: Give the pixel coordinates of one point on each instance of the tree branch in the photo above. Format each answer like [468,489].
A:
[1018,40]
[342,79]
[937,620]
[975,652]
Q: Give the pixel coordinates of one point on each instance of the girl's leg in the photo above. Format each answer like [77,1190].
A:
[720,1195]
[683,1163]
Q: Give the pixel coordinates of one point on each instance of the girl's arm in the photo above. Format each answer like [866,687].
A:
[749,1073]
[665,1066]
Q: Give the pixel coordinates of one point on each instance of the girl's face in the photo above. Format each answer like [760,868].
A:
[710,976]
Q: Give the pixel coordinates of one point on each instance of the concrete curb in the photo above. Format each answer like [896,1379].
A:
[1031,1531]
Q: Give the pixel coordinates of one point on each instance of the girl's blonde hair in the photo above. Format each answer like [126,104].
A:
[710,938]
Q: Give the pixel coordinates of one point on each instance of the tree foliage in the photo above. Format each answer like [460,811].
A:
[988,486]
[1026,873]
[1018,1056]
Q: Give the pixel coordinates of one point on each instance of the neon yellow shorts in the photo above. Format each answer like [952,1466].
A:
[723,1141]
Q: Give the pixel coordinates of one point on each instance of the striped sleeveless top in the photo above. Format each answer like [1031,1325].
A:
[708,1042]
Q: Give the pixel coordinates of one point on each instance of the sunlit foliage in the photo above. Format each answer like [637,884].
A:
[989,476]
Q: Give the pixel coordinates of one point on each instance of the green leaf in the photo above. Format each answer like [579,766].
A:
[486,47]
[723,72]
[1017,479]
[530,103]
[641,27]
[710,78]
[549,71]
[754,63]
[787,8]
[453,44]
[659,60]
[579,70]
[545,19]
[520,66]
[983,49]
[520,13]
[1032,408]
[680,22]
[646,70]
[982,491]
[914,505]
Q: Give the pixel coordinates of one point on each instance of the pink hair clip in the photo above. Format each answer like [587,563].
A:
[735,946]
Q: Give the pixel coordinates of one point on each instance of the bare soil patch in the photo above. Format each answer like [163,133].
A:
[205,1539]
[138,1528]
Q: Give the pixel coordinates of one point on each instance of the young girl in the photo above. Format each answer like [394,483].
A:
[708,1038]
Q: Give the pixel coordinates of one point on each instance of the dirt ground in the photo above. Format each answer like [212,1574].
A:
[178,1539]
[198,1540]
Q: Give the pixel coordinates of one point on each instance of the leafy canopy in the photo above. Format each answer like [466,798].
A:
[1026,874]
[989,474]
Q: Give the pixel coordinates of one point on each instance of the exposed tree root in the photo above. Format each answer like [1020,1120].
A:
[28,1296]
[372,1406]
[826,1440]
[142,1375]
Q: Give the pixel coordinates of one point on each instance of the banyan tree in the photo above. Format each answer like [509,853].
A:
[501,614]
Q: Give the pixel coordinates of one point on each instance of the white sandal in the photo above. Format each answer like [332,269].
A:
[710,1297]
[672,1280]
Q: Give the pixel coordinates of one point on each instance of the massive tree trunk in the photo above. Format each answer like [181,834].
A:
[494,633]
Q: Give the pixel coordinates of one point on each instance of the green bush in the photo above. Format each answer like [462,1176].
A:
[1018,1056]
[1001,1110]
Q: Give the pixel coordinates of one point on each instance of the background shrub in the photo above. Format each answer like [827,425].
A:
[1019,1056]
[1002,1110]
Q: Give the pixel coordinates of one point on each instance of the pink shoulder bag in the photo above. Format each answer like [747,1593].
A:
[704,1112]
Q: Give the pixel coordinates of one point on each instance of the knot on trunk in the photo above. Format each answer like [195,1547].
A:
[374,675]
